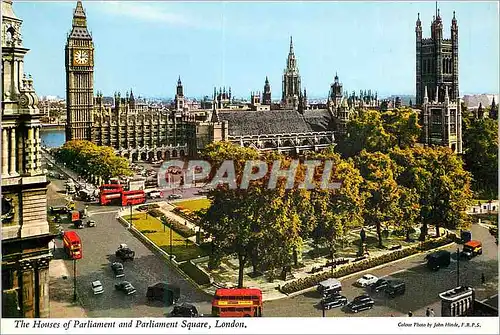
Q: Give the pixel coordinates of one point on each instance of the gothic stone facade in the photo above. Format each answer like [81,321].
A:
[437,85]
[25,231]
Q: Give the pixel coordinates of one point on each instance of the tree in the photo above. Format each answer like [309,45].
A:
[443,186]
[378,171]
[365,132]
[481,154]
[89,159]
[408,210]
[380,131]
[337,210]
[402,124]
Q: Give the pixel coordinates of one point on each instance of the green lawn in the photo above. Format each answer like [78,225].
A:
[194,205]
[152,228]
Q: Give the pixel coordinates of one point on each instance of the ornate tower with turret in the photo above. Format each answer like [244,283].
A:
[266,95]
[79,78]
[25,230]
[179,96]
[437,61]
[437,85]
[291,81]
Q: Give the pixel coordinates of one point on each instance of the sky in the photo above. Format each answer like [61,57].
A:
[146,46]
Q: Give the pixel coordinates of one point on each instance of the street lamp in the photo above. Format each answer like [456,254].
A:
[74,280]
[458,267]
[170,241]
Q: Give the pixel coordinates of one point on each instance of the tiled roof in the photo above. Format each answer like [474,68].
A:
[275,122]
[80,33]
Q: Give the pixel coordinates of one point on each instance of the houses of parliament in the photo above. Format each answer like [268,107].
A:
[139,132]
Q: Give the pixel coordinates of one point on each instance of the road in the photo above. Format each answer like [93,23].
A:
[99,245]
[422,285]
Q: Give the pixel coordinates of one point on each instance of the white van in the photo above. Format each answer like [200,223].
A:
[155,195]
[329,287]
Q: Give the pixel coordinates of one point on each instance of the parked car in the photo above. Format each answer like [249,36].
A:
[91,223]
[366,280]
[174,196]
[169,294]
[124,253]
[185,310]
[125,287]
[395,287]
[361,303]
[379,285]
[117,268]
[329,287]
[97,287]
[334,300]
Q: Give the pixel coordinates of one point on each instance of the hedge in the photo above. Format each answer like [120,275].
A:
[179,228]
[155,212]
[200,277]
[304,283]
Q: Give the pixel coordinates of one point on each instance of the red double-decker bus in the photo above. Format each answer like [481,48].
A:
[106,197]
[72,245]
[133,197]
[237,302]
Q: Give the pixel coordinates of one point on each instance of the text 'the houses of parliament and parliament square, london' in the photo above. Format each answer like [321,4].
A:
[142,131]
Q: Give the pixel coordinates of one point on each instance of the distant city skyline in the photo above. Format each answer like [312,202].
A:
[146,46]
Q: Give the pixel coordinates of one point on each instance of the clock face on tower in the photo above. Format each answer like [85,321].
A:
[81,57]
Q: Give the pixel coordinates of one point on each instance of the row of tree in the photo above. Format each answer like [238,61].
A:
[91,160]
[403,188]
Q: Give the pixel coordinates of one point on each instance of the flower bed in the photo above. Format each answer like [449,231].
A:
[304,283]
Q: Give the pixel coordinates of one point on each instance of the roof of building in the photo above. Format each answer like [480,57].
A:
[473,101]
[80,33]
[243,123]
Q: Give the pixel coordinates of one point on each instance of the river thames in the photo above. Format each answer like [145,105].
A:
[53,138]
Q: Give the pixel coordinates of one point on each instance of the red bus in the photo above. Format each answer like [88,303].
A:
[109,187]
[72,244]
[133,197]
[237,302]
[108,196]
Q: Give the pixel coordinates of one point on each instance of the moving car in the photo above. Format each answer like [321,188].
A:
[329,287]
[334,300]
[361,303]
[117,268]
[91,223]
[471,249]
[174,196]
[97,287]
[125,287]
[169,294]
[366,280]
[438,259]
[79,224]
[395,287]
[379,285]
[185,310]
[124,252]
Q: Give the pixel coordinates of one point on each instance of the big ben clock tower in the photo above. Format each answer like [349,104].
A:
[79,78]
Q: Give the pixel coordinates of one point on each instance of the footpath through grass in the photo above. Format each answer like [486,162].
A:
[154,229]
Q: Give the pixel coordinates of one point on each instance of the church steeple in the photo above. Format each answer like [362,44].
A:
[291,80]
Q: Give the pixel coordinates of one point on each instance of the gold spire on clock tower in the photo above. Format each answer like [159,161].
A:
[79,78]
